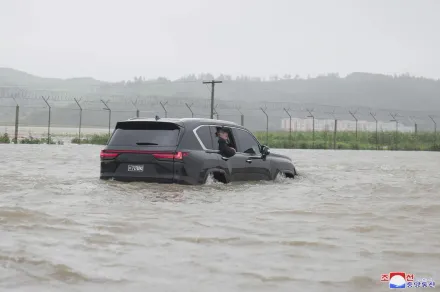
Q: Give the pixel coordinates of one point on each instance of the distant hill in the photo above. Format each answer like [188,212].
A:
[357,89]
[400,93]
[15,78]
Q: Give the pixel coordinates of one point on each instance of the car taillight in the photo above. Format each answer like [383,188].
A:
[111,154]
[108,155]
[175,156]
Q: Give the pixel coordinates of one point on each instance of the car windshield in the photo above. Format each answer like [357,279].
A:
[145,134]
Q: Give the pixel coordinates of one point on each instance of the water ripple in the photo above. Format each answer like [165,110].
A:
[349,217]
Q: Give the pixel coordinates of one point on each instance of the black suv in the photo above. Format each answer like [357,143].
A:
[186,151]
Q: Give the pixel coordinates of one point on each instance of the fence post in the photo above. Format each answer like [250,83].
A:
[290,123]
[397,127]
[267,125]
[135,106]
[189,107]
[355,118]
[80,119]
[109,116]
[164,109]
[17,114]
[48,123]
[435,130]
[335,130]
[377,138]
[415,128]
[313,117]
[241,116]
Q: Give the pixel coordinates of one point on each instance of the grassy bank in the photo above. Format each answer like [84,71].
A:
[96,139]
[324,140]
[348,140]
[5,139]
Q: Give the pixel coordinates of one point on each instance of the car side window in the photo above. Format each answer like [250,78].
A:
[205,136]
[247,142]
[214,137]
[231,142]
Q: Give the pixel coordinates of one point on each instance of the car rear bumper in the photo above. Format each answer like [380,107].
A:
[166,179]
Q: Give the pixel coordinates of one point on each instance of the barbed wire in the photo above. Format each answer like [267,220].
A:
[122,103]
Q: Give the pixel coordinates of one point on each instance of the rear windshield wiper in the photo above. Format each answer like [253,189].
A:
[146,143]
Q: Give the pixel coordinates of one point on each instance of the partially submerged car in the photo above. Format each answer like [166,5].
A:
[185,151]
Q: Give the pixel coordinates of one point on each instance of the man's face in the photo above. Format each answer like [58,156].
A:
[223,135]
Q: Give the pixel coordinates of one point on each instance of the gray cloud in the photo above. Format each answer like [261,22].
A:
[114,40]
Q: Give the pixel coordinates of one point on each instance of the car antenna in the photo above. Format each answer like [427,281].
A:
[157,118]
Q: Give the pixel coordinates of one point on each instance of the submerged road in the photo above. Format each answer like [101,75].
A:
[348,218]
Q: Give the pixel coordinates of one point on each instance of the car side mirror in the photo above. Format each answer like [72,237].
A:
[265,150]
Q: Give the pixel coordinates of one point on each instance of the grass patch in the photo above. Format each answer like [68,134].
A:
[4,139]
[423,141]
[32,140]
[96,139]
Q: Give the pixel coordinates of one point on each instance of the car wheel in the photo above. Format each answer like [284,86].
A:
[279,176]
[215,176]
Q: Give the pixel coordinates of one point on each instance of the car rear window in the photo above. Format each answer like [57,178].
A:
[145,134]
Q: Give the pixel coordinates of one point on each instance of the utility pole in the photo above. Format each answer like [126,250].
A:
[212,82]
[215,110]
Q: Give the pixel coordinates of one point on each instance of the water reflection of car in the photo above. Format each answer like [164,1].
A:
[186,151]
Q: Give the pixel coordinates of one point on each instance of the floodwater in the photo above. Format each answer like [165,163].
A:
[348,218]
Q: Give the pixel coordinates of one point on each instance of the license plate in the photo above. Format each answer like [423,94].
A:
[136,168]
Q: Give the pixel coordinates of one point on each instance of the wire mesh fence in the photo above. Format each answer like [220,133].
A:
[277,124]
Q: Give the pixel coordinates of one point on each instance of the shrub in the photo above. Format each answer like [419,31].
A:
[96,139]
[4,139]
[32,140]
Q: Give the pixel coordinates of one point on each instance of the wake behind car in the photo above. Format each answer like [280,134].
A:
[185,151]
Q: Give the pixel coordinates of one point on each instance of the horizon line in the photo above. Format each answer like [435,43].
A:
[267,78]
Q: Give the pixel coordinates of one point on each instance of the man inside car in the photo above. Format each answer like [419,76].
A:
[225,148]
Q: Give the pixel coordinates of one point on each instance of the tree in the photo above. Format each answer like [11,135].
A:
[163,79]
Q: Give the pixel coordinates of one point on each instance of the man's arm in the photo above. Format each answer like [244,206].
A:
[225,150]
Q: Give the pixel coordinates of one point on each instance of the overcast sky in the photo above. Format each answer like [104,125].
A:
[119,39]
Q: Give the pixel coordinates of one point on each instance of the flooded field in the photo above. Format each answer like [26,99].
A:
[56,132]
[348,218]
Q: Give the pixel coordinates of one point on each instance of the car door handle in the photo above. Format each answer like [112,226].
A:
[249,160]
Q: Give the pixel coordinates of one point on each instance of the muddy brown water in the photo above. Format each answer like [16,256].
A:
[349,217]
